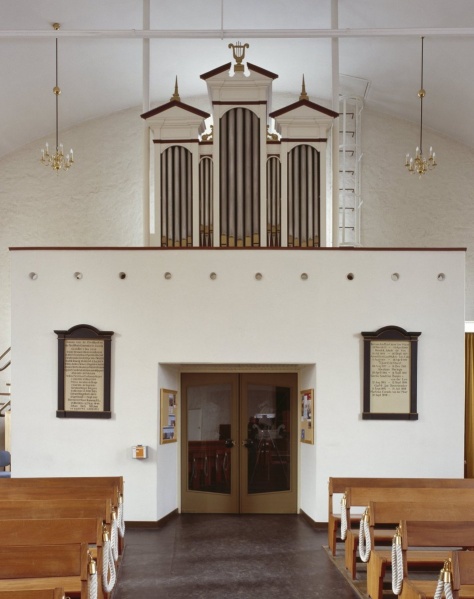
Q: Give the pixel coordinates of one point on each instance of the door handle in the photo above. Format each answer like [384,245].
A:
[229,443]
[247,443]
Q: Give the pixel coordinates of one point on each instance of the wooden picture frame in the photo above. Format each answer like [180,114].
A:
[390,374]
[84,365]
[307,416]
[168,416]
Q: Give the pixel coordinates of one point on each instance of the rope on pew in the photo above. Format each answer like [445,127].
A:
[445,582]
[365,544]
[108,563]
[121,520]
[397,563]
[91,578]
[114,536]
[343,517]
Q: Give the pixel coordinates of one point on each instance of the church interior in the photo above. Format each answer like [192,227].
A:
[236,256]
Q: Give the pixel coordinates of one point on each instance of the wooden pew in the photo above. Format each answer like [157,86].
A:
[57,593]
[71,481]
[63,488]
[62,531]
[338,485]
[56,508]
[391,513]
[361,496]
[28,569]
[80,488]
[438,534]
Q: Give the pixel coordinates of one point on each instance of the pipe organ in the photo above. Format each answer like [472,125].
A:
[240,185]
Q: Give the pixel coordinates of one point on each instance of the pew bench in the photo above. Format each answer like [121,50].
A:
[56,508]
[361,497]
[25,569]
[73,488]
[57,593]
[383,513]
[338,485]
[61,531]
[436,534]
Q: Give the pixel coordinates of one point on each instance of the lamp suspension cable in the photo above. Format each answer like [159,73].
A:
[419,164]
[57,160]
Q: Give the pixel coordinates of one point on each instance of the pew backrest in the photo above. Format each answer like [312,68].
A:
[57,593]
[56,508]
[114,482]
[338,485]
[392,512]
[50,531]
[463,568]
[361,496]
[43,561]
[45,492]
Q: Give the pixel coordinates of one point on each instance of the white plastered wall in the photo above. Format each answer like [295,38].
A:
[235,319]
[99,201]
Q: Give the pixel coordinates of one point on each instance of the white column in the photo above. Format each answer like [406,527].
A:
[335,128]
[146,129]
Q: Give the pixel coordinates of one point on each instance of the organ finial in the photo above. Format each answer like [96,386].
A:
[175,97]
[303,95]
[238,51]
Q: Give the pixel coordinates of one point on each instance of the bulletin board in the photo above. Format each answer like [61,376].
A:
[307,410]
[169,414]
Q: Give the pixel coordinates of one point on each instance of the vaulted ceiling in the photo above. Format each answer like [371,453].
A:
[101,56]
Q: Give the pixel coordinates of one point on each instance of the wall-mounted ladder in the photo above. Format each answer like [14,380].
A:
[350,157]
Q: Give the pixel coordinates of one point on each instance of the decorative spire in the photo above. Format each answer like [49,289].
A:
[303,95]
[238,51]
[175,97]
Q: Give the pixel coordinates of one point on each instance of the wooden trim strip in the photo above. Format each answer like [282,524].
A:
[175,104]
[239,103]
[176,141]
[217,248]
[304,139]
[216,71]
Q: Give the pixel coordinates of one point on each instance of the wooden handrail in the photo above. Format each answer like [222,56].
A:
[4,407]
[1,358]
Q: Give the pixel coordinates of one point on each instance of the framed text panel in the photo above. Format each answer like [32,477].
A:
[390,374]
[84,364]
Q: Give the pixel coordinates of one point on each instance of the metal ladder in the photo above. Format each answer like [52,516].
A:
[350,157]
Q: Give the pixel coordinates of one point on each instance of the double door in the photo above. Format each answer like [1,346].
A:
[239,443]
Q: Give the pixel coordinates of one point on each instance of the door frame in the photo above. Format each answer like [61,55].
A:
[217,369]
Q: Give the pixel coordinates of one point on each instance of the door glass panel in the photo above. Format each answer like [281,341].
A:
[268,438]
[209,438]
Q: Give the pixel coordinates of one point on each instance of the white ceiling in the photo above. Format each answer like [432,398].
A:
[100,68]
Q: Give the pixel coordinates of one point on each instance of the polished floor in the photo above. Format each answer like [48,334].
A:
[195,556]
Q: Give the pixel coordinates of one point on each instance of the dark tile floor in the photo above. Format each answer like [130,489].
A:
[229,557]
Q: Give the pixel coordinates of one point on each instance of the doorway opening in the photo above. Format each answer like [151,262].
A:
[239,442]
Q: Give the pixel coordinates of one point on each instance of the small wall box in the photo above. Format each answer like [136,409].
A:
[140,452]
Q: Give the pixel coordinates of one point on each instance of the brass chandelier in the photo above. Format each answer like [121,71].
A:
[420,164]
[57,160]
